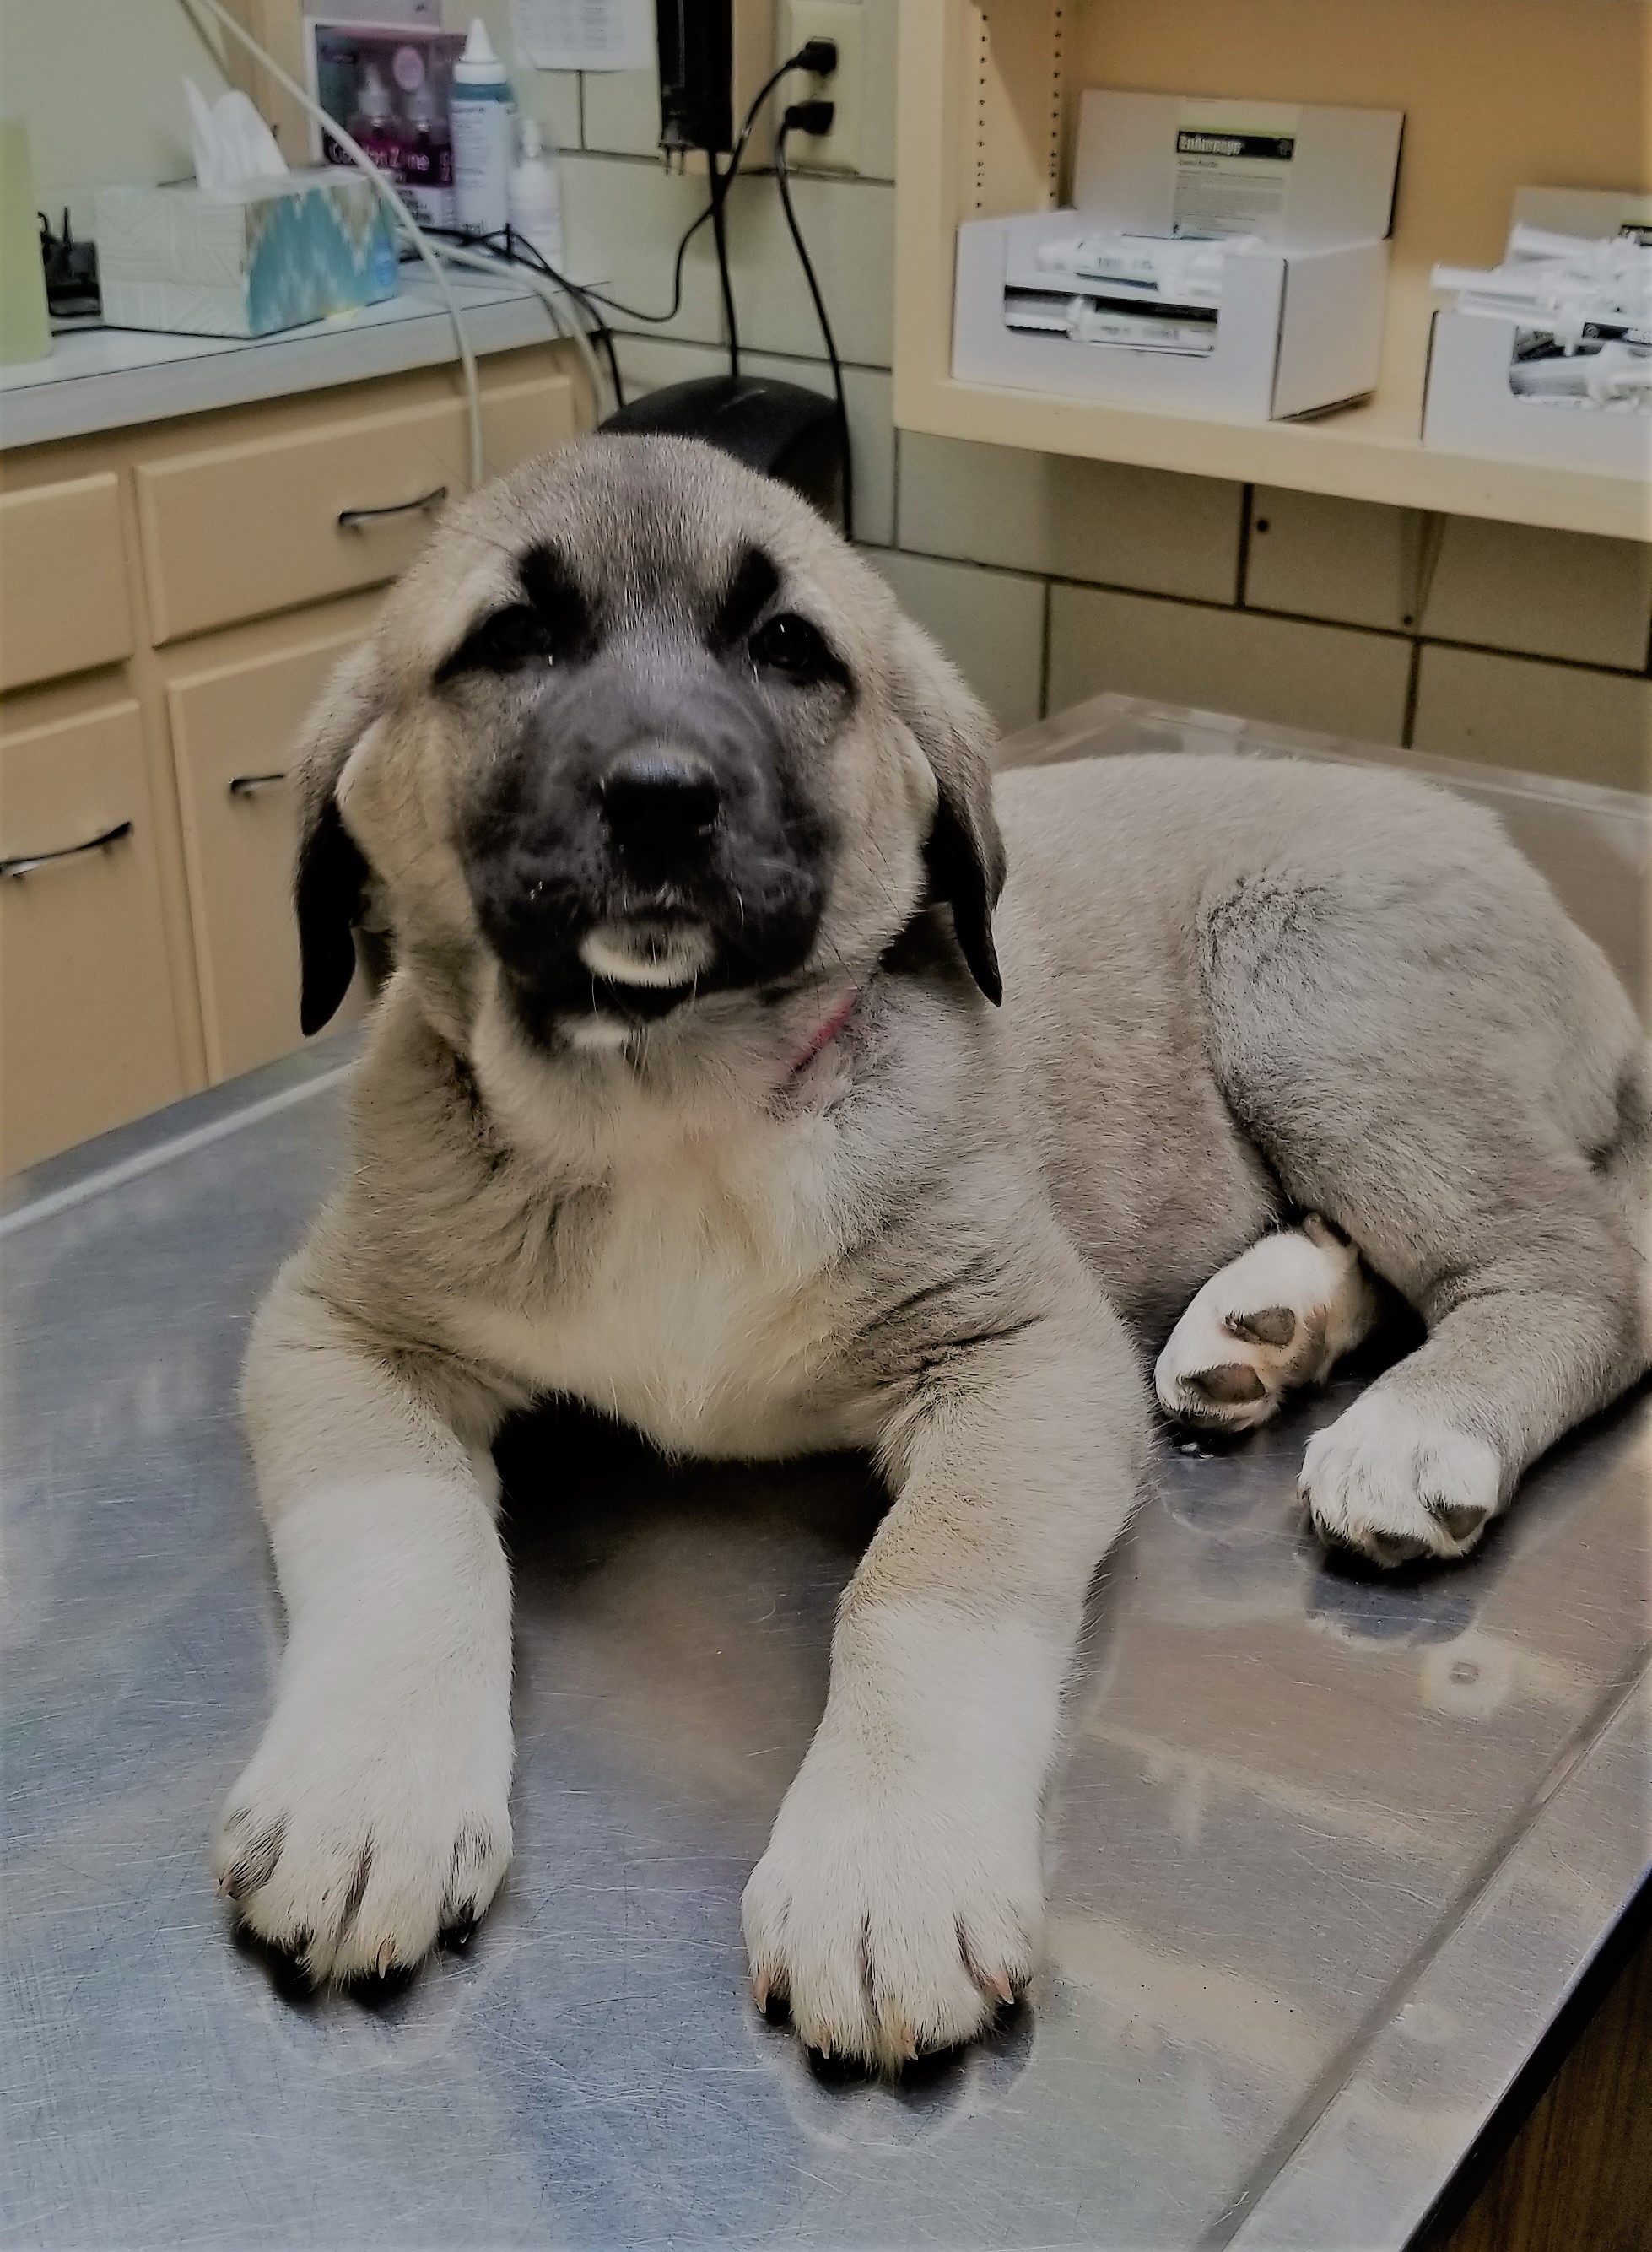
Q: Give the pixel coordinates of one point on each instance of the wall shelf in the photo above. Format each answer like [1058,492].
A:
[1498,94]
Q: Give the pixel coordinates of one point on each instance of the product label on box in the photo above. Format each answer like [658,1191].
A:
[390,87]
[1233,168]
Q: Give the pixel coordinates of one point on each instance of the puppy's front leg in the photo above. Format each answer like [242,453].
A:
[373,1816]
[901,1896]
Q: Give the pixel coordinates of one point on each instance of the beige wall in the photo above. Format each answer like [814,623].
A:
[1046,577]
[100,83]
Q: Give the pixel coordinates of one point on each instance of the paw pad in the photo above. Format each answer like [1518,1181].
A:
[1230,1384]
[1274,1325]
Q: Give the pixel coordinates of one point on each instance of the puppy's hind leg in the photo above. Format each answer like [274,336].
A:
[1433,1056]
[1279,1316]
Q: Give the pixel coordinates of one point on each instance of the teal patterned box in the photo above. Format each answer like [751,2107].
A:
[243,262]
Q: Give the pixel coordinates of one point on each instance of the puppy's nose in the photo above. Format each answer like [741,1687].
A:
[659,801]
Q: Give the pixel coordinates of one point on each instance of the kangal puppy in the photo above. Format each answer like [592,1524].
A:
[692,1096]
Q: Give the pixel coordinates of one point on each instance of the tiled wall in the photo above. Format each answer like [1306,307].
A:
[1048,579]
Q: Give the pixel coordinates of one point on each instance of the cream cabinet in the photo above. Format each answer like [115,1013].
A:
[239,531]
[88,1035]
[172,599]
[63,599]
[234,722]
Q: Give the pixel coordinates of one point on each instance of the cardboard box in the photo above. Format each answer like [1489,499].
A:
[1299,327]
[1469,405]
[390,87]
[244,262]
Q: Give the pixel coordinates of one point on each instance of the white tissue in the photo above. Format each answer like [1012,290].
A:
[232,143]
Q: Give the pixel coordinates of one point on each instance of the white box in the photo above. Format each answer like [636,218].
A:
[1140,163]
[1469,406]
[1300,324]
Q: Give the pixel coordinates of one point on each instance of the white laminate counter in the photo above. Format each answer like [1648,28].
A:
[100,378]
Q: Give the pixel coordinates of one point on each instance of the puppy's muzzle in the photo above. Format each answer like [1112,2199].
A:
[639,844]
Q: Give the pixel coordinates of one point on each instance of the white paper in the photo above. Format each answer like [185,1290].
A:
[594,35]
[231,142]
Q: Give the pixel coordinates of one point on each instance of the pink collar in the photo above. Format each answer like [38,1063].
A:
[823,1038]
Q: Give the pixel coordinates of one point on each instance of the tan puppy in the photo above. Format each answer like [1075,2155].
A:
[690,1096]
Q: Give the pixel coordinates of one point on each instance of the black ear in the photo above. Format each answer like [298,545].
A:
[329,895]
[958,874]
[330,888]
[964,854]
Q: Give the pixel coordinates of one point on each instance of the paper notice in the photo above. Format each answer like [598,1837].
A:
[1233,168]
[592,35]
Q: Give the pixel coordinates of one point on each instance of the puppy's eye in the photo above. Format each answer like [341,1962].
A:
[790,645]
[505,642]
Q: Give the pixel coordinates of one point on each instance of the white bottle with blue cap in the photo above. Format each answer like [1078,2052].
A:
[483,124]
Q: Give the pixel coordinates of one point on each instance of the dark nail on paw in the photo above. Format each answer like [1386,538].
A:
[283,1965]
[372,1990]
[456,1935]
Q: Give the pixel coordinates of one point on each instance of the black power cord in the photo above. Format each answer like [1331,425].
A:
[817,117]
[514,249]
[819,57]
[720,185]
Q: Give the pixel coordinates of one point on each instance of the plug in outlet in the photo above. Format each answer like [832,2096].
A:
[841,21]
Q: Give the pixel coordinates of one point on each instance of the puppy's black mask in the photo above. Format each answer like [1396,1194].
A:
[651,782]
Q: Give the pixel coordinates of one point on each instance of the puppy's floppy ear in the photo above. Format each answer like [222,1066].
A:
[330,887]
[965,852]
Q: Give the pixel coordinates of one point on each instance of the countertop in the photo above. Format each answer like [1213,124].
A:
[1329,1854]
[100,378]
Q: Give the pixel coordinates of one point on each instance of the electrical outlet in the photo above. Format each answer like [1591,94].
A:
[839,20]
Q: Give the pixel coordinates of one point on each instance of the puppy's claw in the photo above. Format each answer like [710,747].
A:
[760,1991]
[457,1933]
[998,1985]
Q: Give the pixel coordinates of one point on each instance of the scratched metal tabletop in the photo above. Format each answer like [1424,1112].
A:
[1328,1856]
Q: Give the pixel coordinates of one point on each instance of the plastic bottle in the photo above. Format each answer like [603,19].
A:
[536,196]
[482,121]
[426,162]
[374,124]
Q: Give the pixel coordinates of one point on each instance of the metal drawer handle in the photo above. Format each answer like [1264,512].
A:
[33,860]
[244,785]
[348,517]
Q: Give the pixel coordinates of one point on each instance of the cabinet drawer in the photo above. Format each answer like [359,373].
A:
[87,1035]
[240,531]
[233,728]
[63,606]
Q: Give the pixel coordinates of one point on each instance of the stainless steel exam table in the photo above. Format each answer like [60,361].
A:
[1328,1855]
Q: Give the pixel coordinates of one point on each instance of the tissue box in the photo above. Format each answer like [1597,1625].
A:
[1300,324]
[1469,405]
[243,262]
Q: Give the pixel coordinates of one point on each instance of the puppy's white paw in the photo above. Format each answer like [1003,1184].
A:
[1278,1316]
[365,1828]
[1396,1482]
[894,1917]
